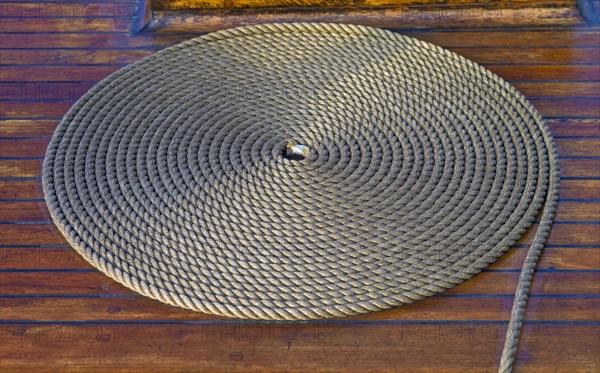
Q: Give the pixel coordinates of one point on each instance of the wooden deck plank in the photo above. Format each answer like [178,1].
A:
[519,37]
[546,72]
[567,127]
[20,169]
[22,128]
[76,57]
[300,347]
[23,148]
[568,107]
[446,308]
[34,25]
[42,258]
[581,147]
[536,38]
[20,190]
[559,90]
[74,40]
[65,16]
[580,189]
[489,282]
[580,168]
[64,9]
[25,211]
[575,211]
[221,346]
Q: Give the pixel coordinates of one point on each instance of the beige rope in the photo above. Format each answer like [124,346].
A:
[301,171]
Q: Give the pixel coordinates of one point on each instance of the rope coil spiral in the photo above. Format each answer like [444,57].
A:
[302,171]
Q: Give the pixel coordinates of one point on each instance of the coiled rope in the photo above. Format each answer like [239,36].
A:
[302,171]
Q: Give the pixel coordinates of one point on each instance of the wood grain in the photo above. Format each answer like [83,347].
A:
[300,347]
[559,90]
[446,308]
[20,169]
[73,57]
[489,39]
[21,128]
[449,38]
[580,189]
[580,168]
[569,127]
[20,190]
[206,20]
[67,24]
[223,4]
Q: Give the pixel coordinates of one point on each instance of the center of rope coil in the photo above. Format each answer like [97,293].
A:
[295,151]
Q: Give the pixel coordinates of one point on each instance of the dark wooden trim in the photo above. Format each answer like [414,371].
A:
[183,5]
[206,20]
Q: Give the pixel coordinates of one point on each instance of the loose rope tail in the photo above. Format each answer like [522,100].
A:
[517,314]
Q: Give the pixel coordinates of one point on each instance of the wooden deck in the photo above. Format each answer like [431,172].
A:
[60,314]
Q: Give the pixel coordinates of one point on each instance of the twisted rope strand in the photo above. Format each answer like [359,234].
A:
[517,315]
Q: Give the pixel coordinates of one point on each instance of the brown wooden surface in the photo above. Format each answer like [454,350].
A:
[205,20]
[58,313]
